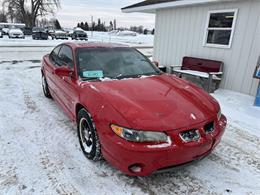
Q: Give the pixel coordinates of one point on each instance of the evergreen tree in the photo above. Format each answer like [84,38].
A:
[93,27]
[99,25]
[86,26]
[114,24]
[57,24]
[140,29]
[82,25]
[153,32]
[111,25]
[3,17]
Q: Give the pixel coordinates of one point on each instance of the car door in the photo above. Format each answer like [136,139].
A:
[68,84]
[51,64]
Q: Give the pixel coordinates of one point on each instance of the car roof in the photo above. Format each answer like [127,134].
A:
[76,45]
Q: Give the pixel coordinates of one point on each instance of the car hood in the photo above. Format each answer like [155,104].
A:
[15,31]
[60,32]
[162,102]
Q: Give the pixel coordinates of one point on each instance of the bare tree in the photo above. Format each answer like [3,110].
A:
[27,11]
[3,17]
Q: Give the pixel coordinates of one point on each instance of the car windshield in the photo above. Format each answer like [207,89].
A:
[79,32]
[38,29]
[114,63]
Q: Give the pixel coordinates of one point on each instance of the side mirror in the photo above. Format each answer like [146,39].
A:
[163,68]
[156,63]
[63,71]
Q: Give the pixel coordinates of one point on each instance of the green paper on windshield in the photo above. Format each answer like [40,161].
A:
[93,74]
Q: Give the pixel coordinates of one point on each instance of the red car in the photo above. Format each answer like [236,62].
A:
[139,119]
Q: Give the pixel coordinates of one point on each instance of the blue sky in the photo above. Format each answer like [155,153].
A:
[74,11]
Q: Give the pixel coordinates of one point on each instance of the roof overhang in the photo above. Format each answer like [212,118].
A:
[152,8]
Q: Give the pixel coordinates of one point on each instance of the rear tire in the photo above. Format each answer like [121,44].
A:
[88,137]
[45,87]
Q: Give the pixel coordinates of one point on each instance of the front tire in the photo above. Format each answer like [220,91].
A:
[45,87]
[88,137]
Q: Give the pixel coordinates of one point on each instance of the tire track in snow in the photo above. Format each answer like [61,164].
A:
[53,170]
[30,106]
[53,166]
[176,182]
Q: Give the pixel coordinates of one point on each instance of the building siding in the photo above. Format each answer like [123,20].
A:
[180,32]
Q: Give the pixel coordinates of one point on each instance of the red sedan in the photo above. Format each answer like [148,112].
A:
[139,119]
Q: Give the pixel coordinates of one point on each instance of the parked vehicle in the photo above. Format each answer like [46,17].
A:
[79,35]
[126,33]
[59,34]
[140,119]
[39,33]
[1,34]
[51,33]
[5,31]
[16,33]
[27,31]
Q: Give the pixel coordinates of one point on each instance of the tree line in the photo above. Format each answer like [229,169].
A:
[101,26]
[97,26]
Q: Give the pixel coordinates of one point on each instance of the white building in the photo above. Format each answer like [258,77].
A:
[224,30]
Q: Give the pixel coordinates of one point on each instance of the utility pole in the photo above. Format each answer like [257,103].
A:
[92,26]
[114,24]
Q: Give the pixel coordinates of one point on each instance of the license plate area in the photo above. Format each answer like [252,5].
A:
[190,135]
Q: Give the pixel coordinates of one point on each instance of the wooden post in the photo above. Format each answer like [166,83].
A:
[209,83]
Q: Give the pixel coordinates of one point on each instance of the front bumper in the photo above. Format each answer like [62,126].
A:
[61,37]
[151,158]
[16,36]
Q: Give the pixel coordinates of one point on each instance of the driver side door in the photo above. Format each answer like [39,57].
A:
[67,84]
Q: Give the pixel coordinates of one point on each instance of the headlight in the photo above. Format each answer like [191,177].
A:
[219,114]
[139,136]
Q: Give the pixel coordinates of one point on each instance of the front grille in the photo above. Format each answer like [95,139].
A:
[190,135]
[209,128]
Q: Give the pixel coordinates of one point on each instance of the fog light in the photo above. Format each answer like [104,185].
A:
[190,135]
[209,128]
[136,168]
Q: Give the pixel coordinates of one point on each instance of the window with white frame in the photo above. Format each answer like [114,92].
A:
[220,28]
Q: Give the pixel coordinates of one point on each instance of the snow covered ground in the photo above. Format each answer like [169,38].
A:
[14,48]
[40,153]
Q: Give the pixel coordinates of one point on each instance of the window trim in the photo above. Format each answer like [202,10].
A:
[51,55]
[207,28]
[73,59]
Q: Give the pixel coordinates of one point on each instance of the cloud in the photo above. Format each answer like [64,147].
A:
[72,12]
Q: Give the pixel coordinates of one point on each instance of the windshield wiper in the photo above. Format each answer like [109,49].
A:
[126,76]
[91,78]
[120,76]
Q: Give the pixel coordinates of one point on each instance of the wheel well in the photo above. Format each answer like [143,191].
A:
[78,108]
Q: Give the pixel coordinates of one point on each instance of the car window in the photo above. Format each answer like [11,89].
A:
[54,56]
[66,56]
